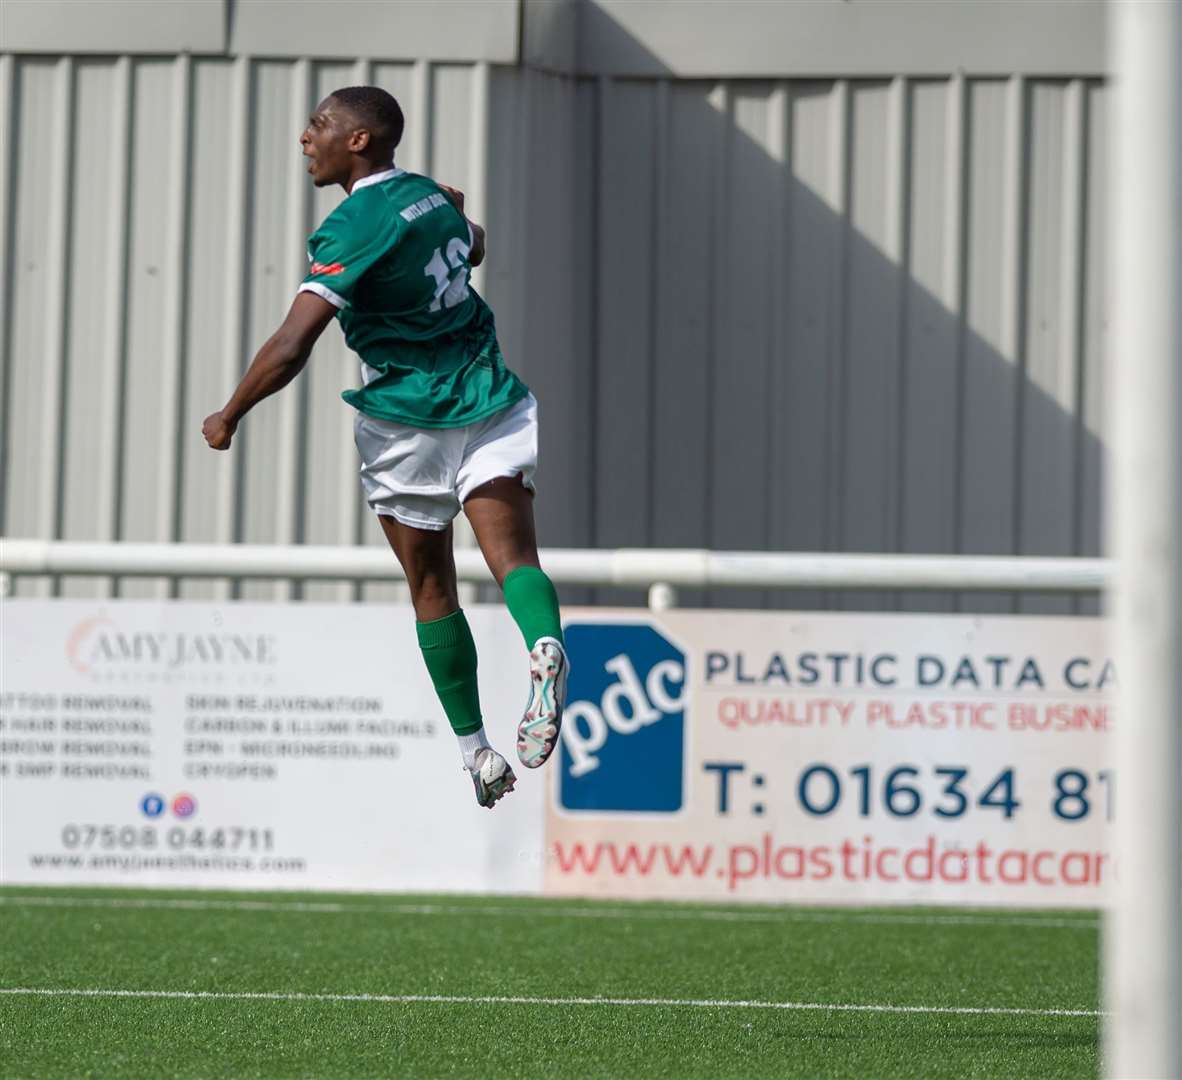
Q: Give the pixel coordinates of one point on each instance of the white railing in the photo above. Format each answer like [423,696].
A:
[660,571]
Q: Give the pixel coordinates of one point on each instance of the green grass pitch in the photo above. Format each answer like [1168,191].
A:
[694,990]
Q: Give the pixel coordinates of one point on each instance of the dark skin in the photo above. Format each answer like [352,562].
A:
[340,150]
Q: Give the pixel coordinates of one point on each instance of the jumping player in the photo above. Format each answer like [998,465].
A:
[441,425]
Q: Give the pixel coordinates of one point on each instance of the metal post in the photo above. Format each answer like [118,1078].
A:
[1143,943]
[661,596]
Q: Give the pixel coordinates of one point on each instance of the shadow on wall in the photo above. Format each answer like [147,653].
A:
[819,316]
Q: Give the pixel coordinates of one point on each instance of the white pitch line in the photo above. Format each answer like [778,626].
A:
[475,999]
[493,911]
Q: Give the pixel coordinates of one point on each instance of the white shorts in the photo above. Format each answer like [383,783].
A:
[421,476]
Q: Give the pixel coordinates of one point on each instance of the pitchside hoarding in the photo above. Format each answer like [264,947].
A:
[835,757]
[248,746]
[706,755]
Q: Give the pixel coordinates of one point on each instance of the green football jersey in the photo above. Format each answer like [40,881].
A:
[393,259]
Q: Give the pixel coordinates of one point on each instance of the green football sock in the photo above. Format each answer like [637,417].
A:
[450,654]
[533,603]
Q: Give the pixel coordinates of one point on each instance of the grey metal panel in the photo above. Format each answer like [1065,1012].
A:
[825,37]
[218,268]
[114,26]
[931,324]
[213,351]
[451,95]
[683,346]
[1046,480]
[550,34]
[1092,421]
[796,315]
[742,308]
[35,335]
[617,37]
[813,250]
[8,177]
[458,30]
[916,289]
[92,411]
[505,270]
[170,326]
[624,275]
[155,282]
[990,378]
[872,366]
[541,336]
[274,267]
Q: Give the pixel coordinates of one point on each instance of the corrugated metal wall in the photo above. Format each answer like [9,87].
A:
[845,315]
[842,315]
[156,217]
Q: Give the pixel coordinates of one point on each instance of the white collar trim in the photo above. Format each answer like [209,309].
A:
[376,178]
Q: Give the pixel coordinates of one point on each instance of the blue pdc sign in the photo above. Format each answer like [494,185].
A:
[623,730]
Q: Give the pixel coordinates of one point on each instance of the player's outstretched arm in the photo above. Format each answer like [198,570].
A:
[279,361]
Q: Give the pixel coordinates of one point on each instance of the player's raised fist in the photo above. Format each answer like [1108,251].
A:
[217,431]
[456,196]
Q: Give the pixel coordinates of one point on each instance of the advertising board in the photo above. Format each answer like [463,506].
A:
[835,757]
[730,756]
[249,746]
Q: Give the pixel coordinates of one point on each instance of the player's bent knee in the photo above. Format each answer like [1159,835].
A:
[511,486]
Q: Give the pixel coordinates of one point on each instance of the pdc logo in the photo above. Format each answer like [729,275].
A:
[623,730]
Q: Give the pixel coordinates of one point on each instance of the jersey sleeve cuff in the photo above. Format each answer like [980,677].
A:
[325,292]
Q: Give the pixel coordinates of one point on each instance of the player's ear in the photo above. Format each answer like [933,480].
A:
[359,140]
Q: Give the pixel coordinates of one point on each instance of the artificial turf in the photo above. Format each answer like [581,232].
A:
[480,947]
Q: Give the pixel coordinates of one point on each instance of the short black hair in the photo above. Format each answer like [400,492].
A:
[377,111]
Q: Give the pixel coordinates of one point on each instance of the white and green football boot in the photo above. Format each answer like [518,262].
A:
[537,734]
[492,777]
